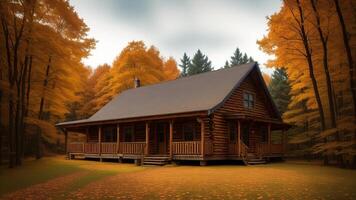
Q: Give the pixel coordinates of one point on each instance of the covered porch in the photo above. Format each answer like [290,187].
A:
[254,136]
[180,138]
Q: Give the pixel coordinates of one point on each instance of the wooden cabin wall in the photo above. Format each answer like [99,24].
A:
[234,105]
[208,136]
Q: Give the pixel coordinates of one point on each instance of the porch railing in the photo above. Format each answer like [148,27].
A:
[187,148]
[91,148]
[132,147]
[266,149]
[244,149]
[234,148]
[76,147]
[108,148]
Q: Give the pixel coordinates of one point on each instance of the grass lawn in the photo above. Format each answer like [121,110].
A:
[57,178]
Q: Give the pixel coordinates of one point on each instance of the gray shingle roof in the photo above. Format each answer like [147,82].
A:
[202,92]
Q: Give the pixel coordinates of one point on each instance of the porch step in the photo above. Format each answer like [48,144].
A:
[256,161]
[156,160]
[253,159]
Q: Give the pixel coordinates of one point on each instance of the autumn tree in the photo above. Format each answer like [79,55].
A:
[170,69]
[301,36]
[135,61]
[44,42]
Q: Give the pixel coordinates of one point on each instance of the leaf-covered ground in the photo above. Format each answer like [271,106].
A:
[56,178]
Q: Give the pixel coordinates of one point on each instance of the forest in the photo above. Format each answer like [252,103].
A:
[43,80]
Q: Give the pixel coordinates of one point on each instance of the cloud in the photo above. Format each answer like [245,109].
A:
[216,27]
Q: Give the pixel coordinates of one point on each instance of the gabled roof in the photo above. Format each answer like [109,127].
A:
[201,92]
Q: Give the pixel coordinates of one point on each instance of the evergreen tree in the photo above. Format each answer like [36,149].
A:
[236,58]
[185,62]
[240,58]
[244,59]
[200,63]
[227,65]
[279,88]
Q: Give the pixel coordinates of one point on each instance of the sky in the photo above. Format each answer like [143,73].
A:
[216,27]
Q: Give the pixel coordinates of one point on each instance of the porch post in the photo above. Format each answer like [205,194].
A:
[269,138]
[147,138]
[238,138]
[118,138]
[202,137]
[87,133]
[283,140]
[171,139]
[66,141]
[87,138]
[99,133]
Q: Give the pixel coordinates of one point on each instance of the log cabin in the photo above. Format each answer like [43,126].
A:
[227,114]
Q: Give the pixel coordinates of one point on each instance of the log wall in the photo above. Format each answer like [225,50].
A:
[234,105]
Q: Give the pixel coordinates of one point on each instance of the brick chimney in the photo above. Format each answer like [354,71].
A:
[137,82]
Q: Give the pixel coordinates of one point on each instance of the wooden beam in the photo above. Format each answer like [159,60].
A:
[147,138]
[66,141]
[99,137]
[118,138]
[171,139]
[283,140]
[269,137]
[165,138]
[202,137]
[87,133]
[238,137]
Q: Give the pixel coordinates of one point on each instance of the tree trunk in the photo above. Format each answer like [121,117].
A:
[10,129]
[40,113]
[324,43]
[28,87]
[349,56]
[2,128]
[308,55]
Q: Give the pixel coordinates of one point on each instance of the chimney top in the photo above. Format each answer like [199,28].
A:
[137,82]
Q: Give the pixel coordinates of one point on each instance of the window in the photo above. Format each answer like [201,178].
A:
[232,131]
[109,134]
[128,133]
[188,131]
[249,101]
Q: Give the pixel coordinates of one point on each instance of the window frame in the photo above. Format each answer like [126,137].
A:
[109,134]
[250,94]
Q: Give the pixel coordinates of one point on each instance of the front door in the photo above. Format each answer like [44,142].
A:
[162,142]
[159,138]
[254,138]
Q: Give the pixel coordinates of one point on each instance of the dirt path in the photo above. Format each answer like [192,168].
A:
[47,190]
